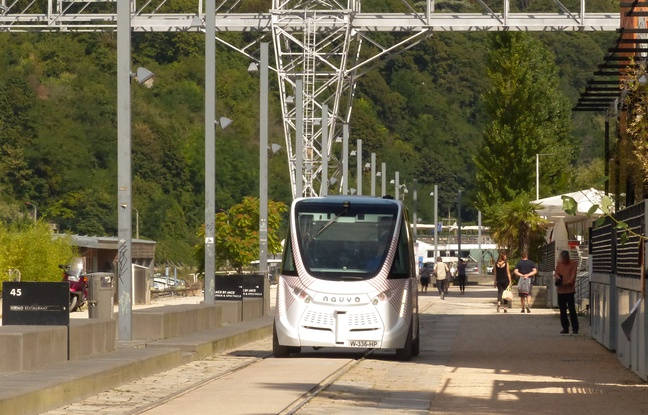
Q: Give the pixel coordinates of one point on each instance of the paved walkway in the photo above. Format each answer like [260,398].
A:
[478,361]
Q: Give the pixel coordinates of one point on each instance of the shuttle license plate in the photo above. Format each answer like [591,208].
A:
[363,343]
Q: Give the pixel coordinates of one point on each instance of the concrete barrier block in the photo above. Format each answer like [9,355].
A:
[174,321]
[31,347]
[231,311]
[252,308]
[91,337]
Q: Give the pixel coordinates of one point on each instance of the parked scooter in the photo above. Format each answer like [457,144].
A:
[78,286]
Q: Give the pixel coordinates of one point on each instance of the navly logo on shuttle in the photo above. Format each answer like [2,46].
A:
[339,299]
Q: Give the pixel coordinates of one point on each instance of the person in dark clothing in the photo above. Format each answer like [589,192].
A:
[526,269]
[461,276]
[502,277]
[565,278]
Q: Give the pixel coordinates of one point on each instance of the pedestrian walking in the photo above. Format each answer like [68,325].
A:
[565,280]
[425,276]
[525,271]
[502,277]
[441,272]
[461,276]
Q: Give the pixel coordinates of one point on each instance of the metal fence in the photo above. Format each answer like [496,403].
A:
[611,253]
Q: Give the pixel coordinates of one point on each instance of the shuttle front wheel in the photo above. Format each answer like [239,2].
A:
[279,350]
[408,350]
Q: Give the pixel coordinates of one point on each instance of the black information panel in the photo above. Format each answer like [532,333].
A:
[36,303]
[252,286]
[236,287]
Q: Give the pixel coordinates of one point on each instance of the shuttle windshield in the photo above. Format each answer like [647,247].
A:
[344,241]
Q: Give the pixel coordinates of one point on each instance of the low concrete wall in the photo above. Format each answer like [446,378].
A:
[31,347]
[91,337]
[538,296]
[252,308]
[174,321]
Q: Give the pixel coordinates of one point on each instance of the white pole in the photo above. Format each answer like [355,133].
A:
[345,159]
[479,239]
[359,165]
[436,221]
[383,179]
[373,174]
[396,186]
[537,176]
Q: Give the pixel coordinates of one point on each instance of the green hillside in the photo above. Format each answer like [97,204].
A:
[421,112]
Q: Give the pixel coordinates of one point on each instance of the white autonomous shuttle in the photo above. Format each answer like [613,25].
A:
[348,277]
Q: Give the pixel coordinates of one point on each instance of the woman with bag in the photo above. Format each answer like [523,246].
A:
[502,277]
[565,280]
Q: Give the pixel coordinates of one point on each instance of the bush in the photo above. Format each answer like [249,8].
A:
[34,251]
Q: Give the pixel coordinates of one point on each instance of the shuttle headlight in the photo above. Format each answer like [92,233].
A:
[302,294]
[383,296]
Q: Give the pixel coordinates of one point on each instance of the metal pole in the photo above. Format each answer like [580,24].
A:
[537,176]
[458,228]
[325,126]
[124,196]
[359,165]
[136,224]
[210,149]
[479,240]
[606,156]
[383,179]
[373,174]
[436,221]
[263,161]
[345,159]
[299,137]
[396,186]
[414,199]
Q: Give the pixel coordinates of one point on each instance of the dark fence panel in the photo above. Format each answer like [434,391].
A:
[548,257]
[610,254]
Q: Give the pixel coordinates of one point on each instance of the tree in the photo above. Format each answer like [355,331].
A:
[237,233]
[33,251]
[515,224]
[527,114]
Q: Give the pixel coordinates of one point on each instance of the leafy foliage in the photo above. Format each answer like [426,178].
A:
[237,233]
[516,225]
[527,115]
[33,251]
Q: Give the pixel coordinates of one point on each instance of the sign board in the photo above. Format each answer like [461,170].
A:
[236,287]
[252,286]
[36,303]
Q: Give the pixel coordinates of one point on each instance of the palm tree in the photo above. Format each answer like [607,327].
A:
[514,223]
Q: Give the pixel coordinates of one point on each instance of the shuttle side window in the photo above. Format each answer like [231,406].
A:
[288,263]
[401,265]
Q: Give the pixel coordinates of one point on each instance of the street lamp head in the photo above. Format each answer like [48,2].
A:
[223,122]
[338,139]
[392,181]
[253,67]
[290,99]
[378,174]
[332,181]
[275,148]
[144,77]
[367,165]
[352,153]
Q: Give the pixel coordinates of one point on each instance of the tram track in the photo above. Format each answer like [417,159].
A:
[304,399]
[291,408]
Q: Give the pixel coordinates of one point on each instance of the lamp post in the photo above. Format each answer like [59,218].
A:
[325,125]
[299,136]
[435,193]
[458,225]
[136,223]
[383,179]
[345,159]
[263,161]
[359,166]
[373,174]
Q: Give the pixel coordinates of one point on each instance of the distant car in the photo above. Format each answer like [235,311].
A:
[472,268]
